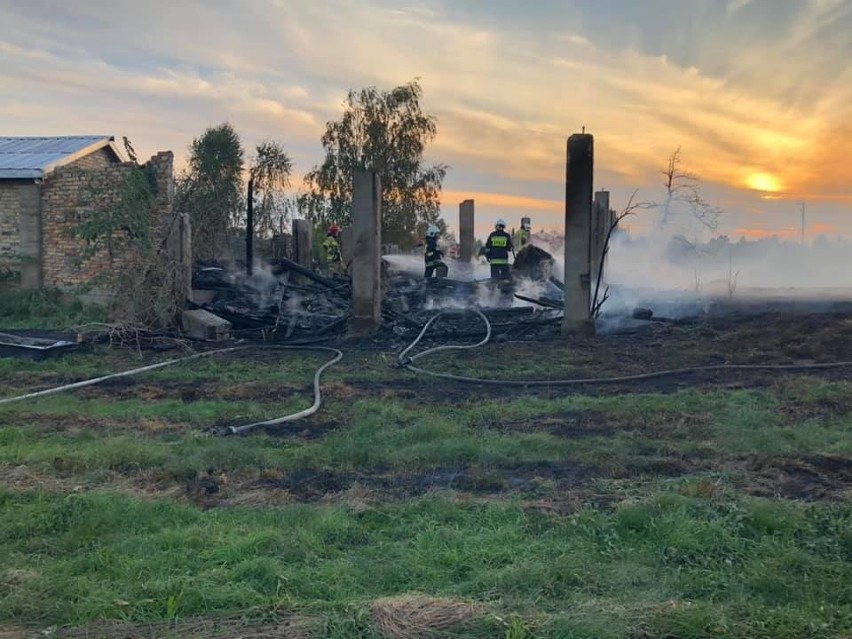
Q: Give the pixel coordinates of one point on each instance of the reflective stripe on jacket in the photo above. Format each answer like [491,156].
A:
[497,247]
[433,258]
[433,255]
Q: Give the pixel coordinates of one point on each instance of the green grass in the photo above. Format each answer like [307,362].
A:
[396,436]
[668,564]
[625,549]
[382,437]
[45,308]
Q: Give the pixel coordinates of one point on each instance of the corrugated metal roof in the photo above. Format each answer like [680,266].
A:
[32,158]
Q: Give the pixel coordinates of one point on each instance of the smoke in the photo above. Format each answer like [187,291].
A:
[265,287]
[681,267]
[486,294]
[413,265]
[262,290]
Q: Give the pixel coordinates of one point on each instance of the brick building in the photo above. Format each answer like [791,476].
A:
[44,185]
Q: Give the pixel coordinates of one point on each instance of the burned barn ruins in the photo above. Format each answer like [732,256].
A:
[386,295]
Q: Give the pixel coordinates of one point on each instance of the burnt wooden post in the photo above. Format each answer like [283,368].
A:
[250,229]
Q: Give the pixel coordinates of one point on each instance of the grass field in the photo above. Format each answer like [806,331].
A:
[715,506]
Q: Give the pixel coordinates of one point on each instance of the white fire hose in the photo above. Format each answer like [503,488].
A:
[233,430]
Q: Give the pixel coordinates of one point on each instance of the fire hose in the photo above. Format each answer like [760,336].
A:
[233,430]
[403,361]
[236,430]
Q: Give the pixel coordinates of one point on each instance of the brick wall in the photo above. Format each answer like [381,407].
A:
[96,160]
[66,200]
[10,210]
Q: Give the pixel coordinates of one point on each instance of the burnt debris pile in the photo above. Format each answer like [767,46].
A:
[282,302]
[534,263]
[286,302]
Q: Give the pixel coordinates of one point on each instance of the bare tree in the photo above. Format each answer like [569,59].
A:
[683,191]
[732,276]
[696,281]
[601,297]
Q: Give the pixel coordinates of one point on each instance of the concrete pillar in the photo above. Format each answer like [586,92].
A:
[579,177]
[30,226]
[185,257]
[600,228]
[602,205]
[367,256]
[466,222]
[303,243]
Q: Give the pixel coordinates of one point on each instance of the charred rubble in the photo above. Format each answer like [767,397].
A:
[286,302]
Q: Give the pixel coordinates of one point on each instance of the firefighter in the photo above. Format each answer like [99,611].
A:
[333,256]
[496,250]
[435,266]
[525,234]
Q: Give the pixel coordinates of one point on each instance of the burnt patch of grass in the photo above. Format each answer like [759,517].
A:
[815,477]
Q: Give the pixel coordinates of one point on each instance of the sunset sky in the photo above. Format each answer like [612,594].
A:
[758,93]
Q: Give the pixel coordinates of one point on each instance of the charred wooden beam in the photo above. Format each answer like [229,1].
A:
[301,270]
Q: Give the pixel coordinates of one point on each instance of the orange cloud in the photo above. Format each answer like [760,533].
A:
[820,228]
[825,173]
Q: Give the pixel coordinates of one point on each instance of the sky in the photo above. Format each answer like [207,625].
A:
[756,93]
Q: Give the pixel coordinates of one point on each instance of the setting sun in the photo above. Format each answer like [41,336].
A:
[763,182]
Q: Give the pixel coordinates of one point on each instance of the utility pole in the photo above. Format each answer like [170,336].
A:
[803,223]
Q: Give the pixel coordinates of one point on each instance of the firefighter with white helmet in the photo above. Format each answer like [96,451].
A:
[496,250]
[434,257]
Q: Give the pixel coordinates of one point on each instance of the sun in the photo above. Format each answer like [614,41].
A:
[763,182]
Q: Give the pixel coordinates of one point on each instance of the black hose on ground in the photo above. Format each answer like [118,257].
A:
[406,362]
